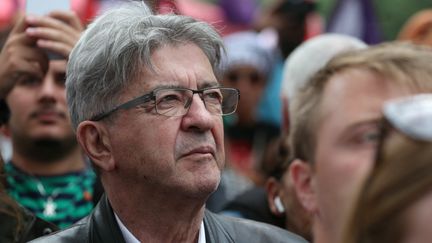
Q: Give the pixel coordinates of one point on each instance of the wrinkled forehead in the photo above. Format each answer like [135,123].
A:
[180,65]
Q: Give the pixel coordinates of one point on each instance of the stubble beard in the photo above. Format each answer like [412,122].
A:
[44,150]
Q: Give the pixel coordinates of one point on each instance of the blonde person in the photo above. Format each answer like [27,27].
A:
[335,126]
[394,204]
[316,53]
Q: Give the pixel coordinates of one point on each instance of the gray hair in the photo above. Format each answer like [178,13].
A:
[117,45]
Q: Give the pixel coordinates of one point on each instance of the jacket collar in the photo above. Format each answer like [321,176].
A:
[103,226]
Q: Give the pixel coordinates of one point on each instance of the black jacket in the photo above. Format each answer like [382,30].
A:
[253,204]
[101,227]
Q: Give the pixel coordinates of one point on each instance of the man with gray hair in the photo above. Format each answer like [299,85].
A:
[158,147]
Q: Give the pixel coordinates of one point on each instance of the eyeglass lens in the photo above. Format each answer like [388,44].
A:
[176,102]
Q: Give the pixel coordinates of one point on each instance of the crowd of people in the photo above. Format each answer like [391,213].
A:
[148,125]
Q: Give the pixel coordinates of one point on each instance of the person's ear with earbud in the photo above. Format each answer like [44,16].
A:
[275,197]
[280,208]
[283,203]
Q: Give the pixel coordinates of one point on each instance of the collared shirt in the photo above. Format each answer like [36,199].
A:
[130,238]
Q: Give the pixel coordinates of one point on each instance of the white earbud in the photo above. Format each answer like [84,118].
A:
[279,206]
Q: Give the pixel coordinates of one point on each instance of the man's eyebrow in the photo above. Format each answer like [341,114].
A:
[167,86]
[27,75]
[209,84]
[206,84]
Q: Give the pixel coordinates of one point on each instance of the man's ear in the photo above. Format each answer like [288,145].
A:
[302,176]
[273,189]
[94,139]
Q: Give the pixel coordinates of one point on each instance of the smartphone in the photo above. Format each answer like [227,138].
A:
[43,7]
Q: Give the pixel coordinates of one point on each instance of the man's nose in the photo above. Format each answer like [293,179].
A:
[48,91]
[198,117]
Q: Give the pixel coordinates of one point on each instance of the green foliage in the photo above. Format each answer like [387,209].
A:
[391,14]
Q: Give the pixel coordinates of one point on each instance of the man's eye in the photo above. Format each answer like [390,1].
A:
[28,81]
[255,78]
[170,98]
[168,101]
[232,77]
[213,97]
[60,78]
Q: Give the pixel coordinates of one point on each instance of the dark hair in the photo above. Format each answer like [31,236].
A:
[276,158]
[297,8]
[4,112]
[7,205]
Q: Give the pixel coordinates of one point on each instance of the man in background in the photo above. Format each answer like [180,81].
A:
[48,173]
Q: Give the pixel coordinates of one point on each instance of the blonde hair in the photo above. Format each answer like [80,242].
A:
[407,65]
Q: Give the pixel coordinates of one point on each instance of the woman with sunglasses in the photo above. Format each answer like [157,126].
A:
[394,204]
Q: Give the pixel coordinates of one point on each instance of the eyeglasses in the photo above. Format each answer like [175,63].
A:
[411,116]
[177,101]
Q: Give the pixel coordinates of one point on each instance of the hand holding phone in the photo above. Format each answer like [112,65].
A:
[44,7]
[19,57]
[55,27]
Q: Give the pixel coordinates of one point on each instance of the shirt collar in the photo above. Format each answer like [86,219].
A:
[201,237]
[130,238]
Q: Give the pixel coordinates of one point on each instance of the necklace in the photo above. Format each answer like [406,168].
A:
[50,190]
[50,205]
[50,208]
